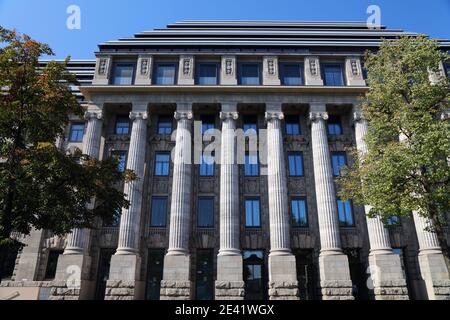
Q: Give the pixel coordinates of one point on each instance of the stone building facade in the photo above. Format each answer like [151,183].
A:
[270,229]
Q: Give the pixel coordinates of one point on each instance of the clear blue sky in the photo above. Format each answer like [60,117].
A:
[101,20]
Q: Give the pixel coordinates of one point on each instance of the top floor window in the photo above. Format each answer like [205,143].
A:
[162,163]
[76,132]
[165,73]
[292,125]
[291,74]
[123,73]
[447,69]
[122,125]
[208,122]
[249,73]
[250,123]
[334,125]
[164,125]
[332,74]
[207,73]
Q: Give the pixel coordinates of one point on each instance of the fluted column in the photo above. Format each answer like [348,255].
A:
[180,213]
[330,241]
[428,240]
[229,188]
[130,219]
[76,241]
[378,235]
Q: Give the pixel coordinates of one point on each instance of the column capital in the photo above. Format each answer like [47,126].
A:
[180,115]
[358,116]
[136,115]
[270,115]
[88,115]
[318,115]
[234,115]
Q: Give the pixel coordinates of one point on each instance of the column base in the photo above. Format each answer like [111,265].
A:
[335,281]
[124,278]
[229,290]
[176,284]
[388,279]
[123,290]
[434,272]
[229,284]
[283,284]
[72,278]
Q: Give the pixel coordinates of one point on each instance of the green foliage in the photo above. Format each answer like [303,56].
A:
[410,174]
[42,187]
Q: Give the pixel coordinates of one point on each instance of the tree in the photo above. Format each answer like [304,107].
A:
[406,168]
[42,187]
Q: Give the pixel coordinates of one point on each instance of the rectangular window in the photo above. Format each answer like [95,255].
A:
[115,219]
[165,125]
[447,69]
[255,288]
[208,122]
[252,213]
[249,74]
[334,125]
[207,73]
[295,162]
[291,74]
[204,280]
[162,164]
[292,125]
[155,268]
[76,132]
[52,262]
[332,74]
[345,213]
[121,156]
[251,165]
[205,212]
[250,123]
[159,212]
[122,125]
[299,213]
[123,73]
[207,166]
[338,160]
[165,73]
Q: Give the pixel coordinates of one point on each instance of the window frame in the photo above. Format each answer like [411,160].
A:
[240,69]
[257,200]
[338,154]
[341,65]
[119,117]
[155,73]
[302,171]
[209,198]
[133,75]
[352,215]
[152,206]
[197,72]
[72,124]
[155,170]
[120,153]
[170,120]
[300,65]
[288,121]
[208,167]
[294,225]
[338,122]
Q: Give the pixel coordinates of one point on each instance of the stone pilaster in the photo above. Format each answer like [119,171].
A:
[124,276]
[353,72]
[28,265]
[230,284]
[176,276]
[228,71]
[102,70]
[186,70]
[335,278]
[271,75]
[72,273]
[144,70]
[282,267]
[388,278]
[313,76]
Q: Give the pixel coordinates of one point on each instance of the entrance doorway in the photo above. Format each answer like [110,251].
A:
[155,268]
[254,275]
[204,275]
[103,272]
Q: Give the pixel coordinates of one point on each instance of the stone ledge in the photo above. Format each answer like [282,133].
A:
[229,284]
[391,283]
[336,284]
[17,284]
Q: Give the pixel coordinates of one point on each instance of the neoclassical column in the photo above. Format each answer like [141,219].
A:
[176,272]
[388,278]
[334,268]
[76,241]
[230,283]
[282,267]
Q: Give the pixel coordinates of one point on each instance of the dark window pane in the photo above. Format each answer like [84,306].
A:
[122,157]
[338,160]
[52,262]
[291,74]
[447,69]
[122,125]
[332,74]
[165,74]
[295,162]
[154,273]
[207,166]
[249,74]
[292,125]
[205,212]
[204,284]
[165,125]
[393,221]
[334,125]
[208,122]
[162,164]
[252,213]
[345,213]
[253,275]
[207,73]
[159,210]
[123,73]
[76,132]
[251,165]
[299,213]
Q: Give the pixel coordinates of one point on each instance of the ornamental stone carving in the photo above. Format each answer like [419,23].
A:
[271,66]
[179,115]
[138,115]
[354,67]
[274,115]
[314,116]
[229,66]
[145,66]
[88,115]
[229,115]
[186,66]
[313,67]
[103,66]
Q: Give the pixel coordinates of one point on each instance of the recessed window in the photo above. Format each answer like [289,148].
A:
[250,123]
[122,125]
[251,165]
[299,213]
[207,165]
[165,73]
[393,221]
[292,125]
[121,156]
[207,73]
[159,212]
[295,162]
[332,74]
[252,213]
[447,69]
[345,213]
[52,263]
[338,160]
[291,74]
[208,122]
[165,125]
[255,288]
[76,132]
[249,74]
[162,164]
[205,212]
[334,125]
[123,73]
